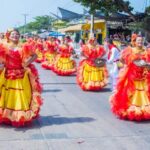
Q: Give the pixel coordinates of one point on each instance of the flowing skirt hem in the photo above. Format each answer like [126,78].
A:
[91,85]
[133,113]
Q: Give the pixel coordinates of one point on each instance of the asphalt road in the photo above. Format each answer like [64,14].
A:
[72,119]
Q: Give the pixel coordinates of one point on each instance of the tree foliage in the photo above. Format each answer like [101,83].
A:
[145,24]
[107,6]
[147,10]
[40,22]
[110,6]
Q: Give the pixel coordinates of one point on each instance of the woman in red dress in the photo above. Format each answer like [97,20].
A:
[90,76]
[50,53]
[131,100]
[39,50]
[20,90]
[64,65]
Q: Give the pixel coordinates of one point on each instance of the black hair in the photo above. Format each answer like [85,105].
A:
[15,29]
[109,40]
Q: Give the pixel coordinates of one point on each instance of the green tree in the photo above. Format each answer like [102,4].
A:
[107,7]
[147,10]
[146,23]
[110,6]
[43,22]
[40,22]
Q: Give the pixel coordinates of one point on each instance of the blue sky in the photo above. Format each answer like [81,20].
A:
[11,10]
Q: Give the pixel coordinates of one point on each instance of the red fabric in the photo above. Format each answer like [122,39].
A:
[62,72]
[34,72]
[47,66]
[120,101]
[39,60]
[65,50]
[93,53]
[51,46]
[14,70]
[14,60]
[110,50]
[80,79]
[3,51]
[39,46]
[27,50]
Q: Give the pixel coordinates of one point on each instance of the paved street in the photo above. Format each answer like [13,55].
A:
[75,120]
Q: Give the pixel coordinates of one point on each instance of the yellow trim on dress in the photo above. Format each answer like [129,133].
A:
[15,94]
[92,73]
[140,96]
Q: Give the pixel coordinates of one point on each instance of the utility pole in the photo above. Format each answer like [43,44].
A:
[25,21]
[50,24]
[57,22]
[92,26]
[92,19]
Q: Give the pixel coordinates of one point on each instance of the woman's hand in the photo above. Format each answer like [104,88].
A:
[29,61]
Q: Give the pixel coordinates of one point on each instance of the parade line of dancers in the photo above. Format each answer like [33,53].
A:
[20,90]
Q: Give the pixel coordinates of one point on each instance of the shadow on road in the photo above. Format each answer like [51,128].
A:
[105,90]
[57,120]
[100,91]
[142,122]
[52,120]
[52,90]
[72,75]
[57,83]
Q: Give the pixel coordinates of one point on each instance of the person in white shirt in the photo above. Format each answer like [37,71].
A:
[113,55]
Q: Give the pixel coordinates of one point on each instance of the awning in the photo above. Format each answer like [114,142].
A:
[56,34]
[73,28]
[79,27]
[69,15]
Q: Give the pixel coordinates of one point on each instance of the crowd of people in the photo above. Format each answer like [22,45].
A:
[20,90]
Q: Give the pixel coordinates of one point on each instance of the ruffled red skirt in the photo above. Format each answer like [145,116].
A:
[64,66]
[16,107]
[131,100]
[49,60]
[90,77]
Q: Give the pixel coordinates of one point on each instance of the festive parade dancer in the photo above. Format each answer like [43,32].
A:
[51,47]
[131,100]
[20,97]
[92,73]
[39,50]
[64,65]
